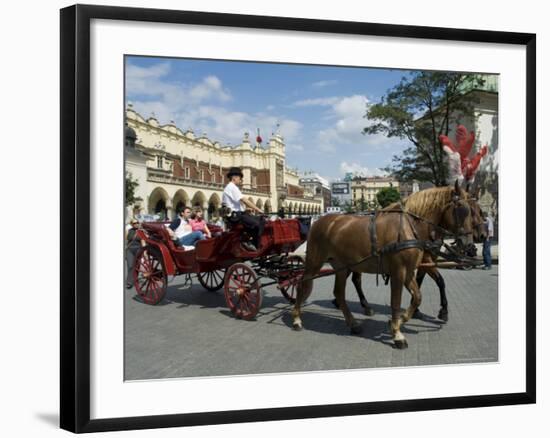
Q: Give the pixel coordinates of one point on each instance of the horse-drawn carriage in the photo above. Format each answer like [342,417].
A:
[221,261]
[401,241]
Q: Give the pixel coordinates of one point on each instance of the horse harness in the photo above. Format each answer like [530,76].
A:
[433,246]
[398,245]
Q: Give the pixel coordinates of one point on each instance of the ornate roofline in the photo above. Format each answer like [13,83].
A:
[170,129]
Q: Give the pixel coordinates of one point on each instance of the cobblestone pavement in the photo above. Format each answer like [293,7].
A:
[192,333]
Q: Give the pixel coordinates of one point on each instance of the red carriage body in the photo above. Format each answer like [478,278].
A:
[220,261]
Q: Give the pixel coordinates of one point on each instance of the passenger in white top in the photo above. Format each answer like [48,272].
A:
[236,203]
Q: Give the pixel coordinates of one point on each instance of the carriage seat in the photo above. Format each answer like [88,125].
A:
[172,244]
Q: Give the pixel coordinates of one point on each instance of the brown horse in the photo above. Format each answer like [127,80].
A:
[395,248]
[432,271]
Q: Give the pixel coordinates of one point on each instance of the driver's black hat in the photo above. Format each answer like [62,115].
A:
[234,171]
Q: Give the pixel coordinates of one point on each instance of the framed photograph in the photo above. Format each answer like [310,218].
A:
[245,201]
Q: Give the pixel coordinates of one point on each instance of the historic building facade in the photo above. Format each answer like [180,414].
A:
[174,168]
[365,189]
[316,185]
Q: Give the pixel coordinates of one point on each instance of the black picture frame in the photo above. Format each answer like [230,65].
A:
[75,217]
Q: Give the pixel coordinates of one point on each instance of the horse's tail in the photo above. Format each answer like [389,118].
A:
[315,258]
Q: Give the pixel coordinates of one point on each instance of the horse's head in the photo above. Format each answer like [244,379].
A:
[457,216]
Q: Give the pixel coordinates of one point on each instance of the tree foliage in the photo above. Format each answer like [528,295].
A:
[387,195]
[420,108]
[131,186]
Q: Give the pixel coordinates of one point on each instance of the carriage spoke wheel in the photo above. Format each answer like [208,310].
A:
[295,272]
[150,278]
[242,291]
[212,280]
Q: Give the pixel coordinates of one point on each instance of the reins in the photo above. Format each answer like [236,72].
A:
[433,246]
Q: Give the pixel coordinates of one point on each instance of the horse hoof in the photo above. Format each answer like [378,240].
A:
[356,329]
[335,303]
[297,327]
[418,314]
[401,345]
[369,311]
[444,316]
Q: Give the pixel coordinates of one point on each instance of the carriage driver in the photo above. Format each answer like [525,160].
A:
[235,201]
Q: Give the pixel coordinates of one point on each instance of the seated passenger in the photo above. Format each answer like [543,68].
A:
[185,235]
[198,223]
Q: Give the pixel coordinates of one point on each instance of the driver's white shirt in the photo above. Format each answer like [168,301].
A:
[232,197]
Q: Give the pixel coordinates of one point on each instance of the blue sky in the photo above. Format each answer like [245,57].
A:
[319,109]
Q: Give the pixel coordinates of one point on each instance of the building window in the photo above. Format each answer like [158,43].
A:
[213,178]
[160,163]
[202,175]
[187,172]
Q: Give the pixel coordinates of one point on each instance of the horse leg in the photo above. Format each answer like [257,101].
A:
[397,278]
[340,294]
[356,280]
[416,299]
[438,278]
[335,301]
[303,290]
[420,274]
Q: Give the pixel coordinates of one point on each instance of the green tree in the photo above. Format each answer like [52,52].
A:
[348,207]
[131,186]
[387,195]
[420,108]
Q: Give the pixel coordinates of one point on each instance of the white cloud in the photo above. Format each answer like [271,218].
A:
[152,82]
[156,71]
[359,170]
[294,147]
[229,126]
[345,120]
[210,87]
[197,106]
[326,83]
[318,101]
[326,147]
[288,128]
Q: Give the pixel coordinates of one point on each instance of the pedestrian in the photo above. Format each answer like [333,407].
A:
[133,243]
[236,203]
[488,226]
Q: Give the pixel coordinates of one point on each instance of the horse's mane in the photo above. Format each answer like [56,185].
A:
[425,202]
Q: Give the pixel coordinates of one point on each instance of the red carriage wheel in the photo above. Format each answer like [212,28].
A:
[212,280]
[150,278]
[295,266]
[242,290]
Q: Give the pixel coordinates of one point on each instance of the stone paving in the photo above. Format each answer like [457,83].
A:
[192,333]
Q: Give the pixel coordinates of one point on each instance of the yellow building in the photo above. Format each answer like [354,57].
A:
[365,189]
[174,168]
